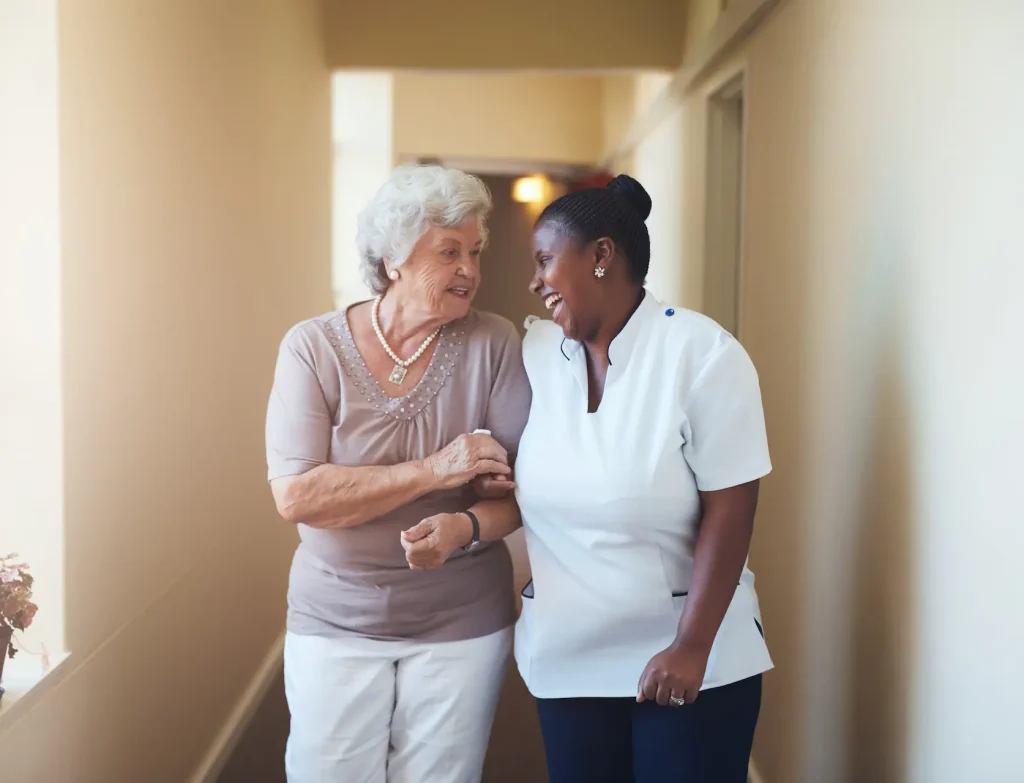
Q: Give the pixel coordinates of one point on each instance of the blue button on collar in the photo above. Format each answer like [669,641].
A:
[670,311]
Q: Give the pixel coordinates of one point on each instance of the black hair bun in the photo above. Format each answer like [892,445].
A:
[633,192]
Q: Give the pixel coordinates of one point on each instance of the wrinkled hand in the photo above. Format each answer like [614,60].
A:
[430,543]
[467,457]
[493,486]
[677,671]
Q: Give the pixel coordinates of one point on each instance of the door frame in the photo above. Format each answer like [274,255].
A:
[731,83]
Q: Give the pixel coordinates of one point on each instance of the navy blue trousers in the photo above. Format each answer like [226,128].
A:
[620,741]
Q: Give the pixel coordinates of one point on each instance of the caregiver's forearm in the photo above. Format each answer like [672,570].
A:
[497,519]
[722,545]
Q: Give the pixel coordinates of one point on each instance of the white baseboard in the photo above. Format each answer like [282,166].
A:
[753,775]
[234,727]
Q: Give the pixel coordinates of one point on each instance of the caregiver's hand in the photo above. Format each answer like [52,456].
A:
[674,674]
[493,486]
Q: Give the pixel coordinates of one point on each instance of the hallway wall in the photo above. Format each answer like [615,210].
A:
[195,218]
[530,34]
[526,116]
[883,251]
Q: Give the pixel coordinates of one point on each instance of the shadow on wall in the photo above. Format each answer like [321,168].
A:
[259,755]
[882,600]
[778,265]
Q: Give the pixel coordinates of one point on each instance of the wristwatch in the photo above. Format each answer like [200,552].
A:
[475,543]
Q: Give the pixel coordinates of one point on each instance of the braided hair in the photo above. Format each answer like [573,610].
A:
[617,211]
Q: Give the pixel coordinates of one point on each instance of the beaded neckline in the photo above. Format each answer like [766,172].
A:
[439,369]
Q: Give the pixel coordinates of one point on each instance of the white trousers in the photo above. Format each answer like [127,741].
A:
[366,711]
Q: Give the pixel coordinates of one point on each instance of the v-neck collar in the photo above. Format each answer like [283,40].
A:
[619,349]
[622,345]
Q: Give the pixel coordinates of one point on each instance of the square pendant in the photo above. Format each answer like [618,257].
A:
[397,375]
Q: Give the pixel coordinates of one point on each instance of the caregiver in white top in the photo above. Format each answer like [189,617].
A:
[640,586]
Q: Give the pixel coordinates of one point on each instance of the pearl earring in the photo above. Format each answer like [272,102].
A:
[599,271]
[393,274]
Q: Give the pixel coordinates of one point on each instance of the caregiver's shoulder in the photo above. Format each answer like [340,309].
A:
[542,337]
[540,334]
[702,348]
[701,337]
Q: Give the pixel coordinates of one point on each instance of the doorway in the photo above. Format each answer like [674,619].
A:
[723,237]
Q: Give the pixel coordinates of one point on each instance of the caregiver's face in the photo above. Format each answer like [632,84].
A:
[564,279]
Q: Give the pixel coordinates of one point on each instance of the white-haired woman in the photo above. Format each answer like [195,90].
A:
[393,661]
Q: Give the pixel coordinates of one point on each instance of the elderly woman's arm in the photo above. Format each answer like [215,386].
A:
[333,496]
[308,488]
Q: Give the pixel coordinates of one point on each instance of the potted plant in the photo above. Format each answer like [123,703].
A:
[16,607]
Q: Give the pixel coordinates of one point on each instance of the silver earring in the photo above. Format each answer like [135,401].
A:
[599,271]
[393,274]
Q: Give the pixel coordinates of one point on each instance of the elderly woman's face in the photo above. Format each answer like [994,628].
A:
[442,274]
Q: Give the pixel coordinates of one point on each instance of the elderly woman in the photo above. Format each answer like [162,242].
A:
[388,423]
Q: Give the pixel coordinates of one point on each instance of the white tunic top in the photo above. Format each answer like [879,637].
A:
[611,506]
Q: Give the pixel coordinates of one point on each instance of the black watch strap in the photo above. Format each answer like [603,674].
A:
[476,531]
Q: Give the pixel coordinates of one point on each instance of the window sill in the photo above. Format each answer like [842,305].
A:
[25,681]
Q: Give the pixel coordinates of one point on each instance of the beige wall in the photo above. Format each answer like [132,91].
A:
[362,132]
[536,117]
[882,307]
[529,34]
[195,166]
[701,16]
[618,107]
[657,164]
[30,402]
[625,96]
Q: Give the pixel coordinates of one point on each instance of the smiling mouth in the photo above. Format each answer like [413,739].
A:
[552,300]
[460,291]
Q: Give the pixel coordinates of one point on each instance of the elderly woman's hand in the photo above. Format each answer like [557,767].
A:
[467,457]
[430,543]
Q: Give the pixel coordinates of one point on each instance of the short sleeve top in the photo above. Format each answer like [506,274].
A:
[611,499]
[326,407]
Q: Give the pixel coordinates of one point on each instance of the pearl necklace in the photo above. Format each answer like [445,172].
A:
[401,365]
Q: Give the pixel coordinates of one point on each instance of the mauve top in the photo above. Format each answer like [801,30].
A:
[326,407]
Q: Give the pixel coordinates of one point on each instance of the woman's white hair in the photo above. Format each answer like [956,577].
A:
[413,199]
